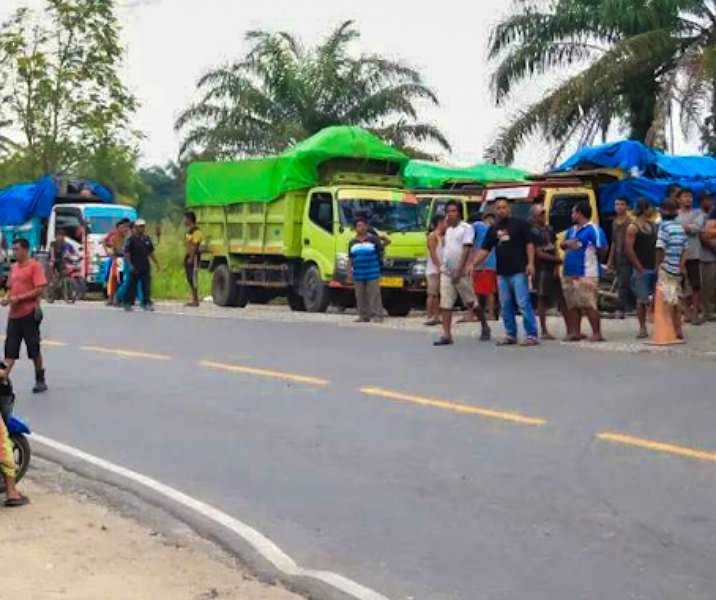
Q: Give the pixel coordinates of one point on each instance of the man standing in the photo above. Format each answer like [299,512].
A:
[548,283]
[671,251]
[456,275]
[708,257]
[584,243]
[60,251]
[138,253]
[618,260]
[693,223]
[365,255]
[435,240]
[485,276]
[514,247]
[26,285]
[641,250]
[192,241]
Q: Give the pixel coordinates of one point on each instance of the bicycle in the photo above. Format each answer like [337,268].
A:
[64,284]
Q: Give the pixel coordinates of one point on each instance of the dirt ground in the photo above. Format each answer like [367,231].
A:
[66,546]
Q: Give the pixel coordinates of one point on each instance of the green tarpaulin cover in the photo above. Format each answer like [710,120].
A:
[263,180]
[420,174]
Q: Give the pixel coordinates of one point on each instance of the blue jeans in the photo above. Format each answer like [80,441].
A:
[516,290]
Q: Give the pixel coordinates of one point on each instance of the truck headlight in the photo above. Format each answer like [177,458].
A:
[341,263]
[420,269]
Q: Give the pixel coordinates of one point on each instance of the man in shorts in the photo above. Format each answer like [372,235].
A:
[618,260]
[192,242]
[671,253]
[26,285]
[435,240]
[455,280]
[584,244]
[693,223]
[485,276]
[548,283]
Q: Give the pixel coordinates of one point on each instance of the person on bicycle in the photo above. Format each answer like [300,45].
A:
[61,252]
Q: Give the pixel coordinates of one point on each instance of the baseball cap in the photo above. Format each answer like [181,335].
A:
[140,222]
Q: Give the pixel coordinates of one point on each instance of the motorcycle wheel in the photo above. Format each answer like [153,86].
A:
[22,453]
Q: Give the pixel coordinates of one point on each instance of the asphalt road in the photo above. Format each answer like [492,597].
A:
[464,473]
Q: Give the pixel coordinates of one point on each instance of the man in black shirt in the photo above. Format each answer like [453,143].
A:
[138,252]
[514,247]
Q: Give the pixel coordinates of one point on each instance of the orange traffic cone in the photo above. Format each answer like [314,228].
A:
[664,330]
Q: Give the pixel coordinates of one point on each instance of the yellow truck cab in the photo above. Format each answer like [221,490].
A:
[281,226]
[558,193]
[433,202]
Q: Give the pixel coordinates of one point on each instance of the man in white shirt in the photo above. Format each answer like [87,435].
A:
[456,273]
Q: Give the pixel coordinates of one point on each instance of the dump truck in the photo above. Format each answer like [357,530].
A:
[435,184]
[280,226]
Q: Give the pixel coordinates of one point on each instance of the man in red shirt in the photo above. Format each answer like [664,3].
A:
[26,285]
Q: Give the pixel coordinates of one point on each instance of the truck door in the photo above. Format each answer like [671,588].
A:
[319,241]
[560,206]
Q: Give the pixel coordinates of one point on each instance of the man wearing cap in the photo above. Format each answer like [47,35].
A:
[138,253]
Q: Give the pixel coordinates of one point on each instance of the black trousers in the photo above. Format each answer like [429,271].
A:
[134,278]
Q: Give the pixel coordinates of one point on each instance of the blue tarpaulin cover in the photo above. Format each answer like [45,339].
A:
[632,156]
[19,203]
[654,190]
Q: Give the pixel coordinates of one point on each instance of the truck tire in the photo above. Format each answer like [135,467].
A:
[316,295]
[398,305]
[224,291]
[242,296]
[295,301]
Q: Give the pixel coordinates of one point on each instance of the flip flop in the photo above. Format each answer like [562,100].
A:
[508,341]
[17,502]
[443,342]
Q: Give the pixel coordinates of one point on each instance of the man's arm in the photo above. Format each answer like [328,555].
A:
[530,259]
[153,258]
[612,260]
[629,249]
[464,260]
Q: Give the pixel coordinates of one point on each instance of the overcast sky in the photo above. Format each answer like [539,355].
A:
[170,43]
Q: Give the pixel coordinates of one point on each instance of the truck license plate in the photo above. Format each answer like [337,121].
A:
[391,282]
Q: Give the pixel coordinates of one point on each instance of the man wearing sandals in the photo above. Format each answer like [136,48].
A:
[584,244]
[456,274]
[514,247]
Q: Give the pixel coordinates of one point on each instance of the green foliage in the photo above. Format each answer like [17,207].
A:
[283,92]
[162,194]
[633,59]
[65,107]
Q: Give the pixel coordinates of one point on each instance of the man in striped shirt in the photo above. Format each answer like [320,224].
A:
[585,244]
[365,254]
[671,246]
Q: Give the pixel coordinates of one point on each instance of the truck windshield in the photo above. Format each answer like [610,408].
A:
[383,215]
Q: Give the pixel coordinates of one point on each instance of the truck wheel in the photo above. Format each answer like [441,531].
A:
[242,296]
[316,296]
[224,291]
[295,301]
[398,305]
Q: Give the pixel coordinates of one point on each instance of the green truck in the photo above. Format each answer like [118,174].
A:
[280,226]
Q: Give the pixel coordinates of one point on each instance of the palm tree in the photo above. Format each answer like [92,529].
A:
[634,59]
[283,92]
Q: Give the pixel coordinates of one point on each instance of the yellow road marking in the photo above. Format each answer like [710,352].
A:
[126,353]
[264,373]
[455,407]
[629,440]
[54,344]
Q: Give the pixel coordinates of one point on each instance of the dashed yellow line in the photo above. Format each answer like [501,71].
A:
[264,373]
[455,407]
[54,344]
[628,440]
[126,353]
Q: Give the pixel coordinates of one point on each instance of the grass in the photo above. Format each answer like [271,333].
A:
[170,283]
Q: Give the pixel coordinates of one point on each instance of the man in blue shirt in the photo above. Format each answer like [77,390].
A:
[365,254]
[585,244]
